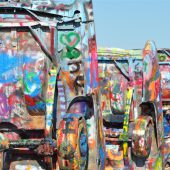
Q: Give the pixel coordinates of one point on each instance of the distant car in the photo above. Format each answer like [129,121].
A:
[163,54]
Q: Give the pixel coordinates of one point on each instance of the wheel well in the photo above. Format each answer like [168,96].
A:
[83,105]
[8,125]
[148,109]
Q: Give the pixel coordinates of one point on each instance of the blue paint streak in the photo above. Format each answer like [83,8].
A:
[166,127]
[87,80]
[9,65]
[102,157]
[95,83]
[83,145]
[38,106]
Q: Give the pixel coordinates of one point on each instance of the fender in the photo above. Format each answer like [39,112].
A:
[152,86]
[140,141]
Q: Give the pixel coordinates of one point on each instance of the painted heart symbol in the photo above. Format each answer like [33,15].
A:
[70,40]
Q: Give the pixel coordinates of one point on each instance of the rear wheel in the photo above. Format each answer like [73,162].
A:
[151,149]
[1,159]
[79,161]
[82,147]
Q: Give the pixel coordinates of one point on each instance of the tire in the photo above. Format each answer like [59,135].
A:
[1,159]
[82,147]
[139,163]
[5,157]
[79,161]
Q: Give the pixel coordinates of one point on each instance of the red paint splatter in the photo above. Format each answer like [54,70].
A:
[29,101]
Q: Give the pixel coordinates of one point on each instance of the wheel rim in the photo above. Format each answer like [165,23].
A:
[83,149]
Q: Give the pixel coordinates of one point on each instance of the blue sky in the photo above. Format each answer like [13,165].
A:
[129,24]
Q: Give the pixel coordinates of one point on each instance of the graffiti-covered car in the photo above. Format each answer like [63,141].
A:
[49,115]
[165,82]
[133,117]
[163,54]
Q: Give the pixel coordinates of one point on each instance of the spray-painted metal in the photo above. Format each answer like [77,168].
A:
[164,63]
[137,139]
[49,102]
[55,105]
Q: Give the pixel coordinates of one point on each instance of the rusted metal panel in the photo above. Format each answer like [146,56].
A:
[23,80]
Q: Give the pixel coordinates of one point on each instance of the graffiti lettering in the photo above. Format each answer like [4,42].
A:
[71,40]
[75,67]
[79,77]
[79,81]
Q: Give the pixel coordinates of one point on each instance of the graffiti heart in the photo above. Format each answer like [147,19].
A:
[70,40]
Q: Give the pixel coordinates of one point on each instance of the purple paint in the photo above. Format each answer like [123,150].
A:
[4,109]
